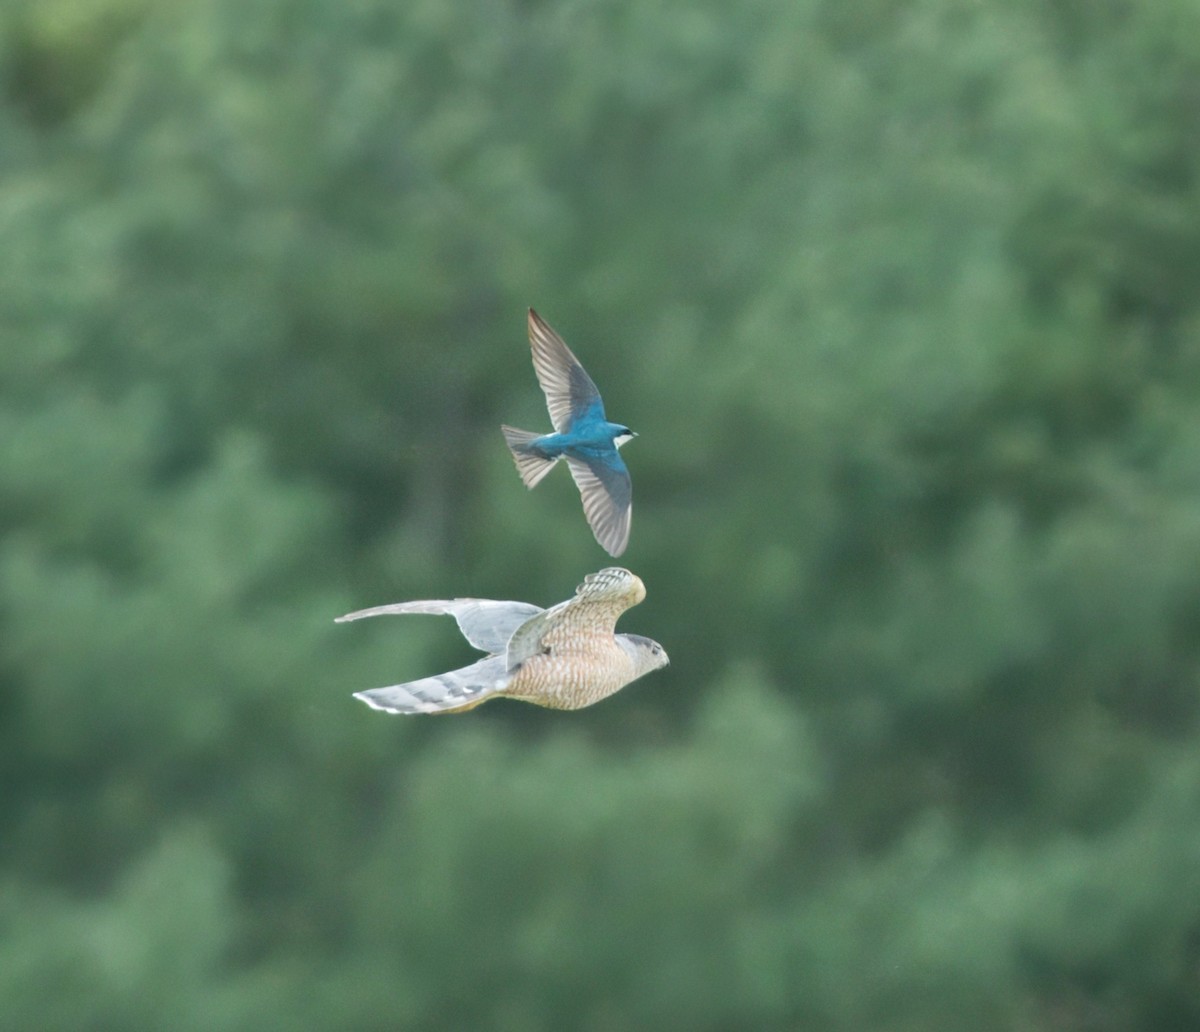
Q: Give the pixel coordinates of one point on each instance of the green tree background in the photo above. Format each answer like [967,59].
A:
[902,298]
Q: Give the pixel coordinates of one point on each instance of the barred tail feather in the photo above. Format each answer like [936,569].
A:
[531,466]
[452,692]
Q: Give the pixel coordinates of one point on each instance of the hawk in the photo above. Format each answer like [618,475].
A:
[564,657]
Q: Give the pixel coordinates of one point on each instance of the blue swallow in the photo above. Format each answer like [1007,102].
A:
[583,436]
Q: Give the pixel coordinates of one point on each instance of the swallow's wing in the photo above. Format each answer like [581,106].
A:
[607,495]
[443,693]
[485,623]
[569,390]
[598,601]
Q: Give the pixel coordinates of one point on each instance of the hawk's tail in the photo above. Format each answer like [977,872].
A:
[530,464]
[454,692]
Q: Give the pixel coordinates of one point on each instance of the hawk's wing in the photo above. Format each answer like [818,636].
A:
[485,623]
[569,390]
[442,693]
[598,601]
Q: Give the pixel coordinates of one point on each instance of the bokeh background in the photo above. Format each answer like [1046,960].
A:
[904,301]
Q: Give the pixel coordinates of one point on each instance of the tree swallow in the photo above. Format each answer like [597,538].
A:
[583,436]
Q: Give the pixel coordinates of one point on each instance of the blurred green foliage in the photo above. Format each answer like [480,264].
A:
[902,300]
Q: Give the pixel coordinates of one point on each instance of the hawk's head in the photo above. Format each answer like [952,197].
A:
[646,653]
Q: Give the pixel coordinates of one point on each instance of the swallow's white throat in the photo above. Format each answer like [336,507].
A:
[623,439]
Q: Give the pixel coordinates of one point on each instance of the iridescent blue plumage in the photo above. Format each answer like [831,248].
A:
[583,436]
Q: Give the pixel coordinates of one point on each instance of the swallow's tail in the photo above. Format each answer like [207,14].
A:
[530,464]
[455,692]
